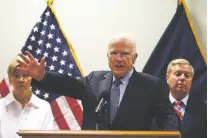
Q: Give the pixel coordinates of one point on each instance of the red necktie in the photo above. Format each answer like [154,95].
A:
[178,109]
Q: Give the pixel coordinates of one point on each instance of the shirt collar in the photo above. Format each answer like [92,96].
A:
[33,100]
[184,100]
[125,79]
[9,98]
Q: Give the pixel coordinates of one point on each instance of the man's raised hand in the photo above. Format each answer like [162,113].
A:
[29,65]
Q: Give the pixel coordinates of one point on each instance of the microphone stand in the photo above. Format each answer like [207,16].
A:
[99,115]
[97,125]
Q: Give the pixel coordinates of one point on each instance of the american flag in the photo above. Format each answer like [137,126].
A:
[47,39]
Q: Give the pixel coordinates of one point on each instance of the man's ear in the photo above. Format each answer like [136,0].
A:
[135,57]
[167,77]
[107,55]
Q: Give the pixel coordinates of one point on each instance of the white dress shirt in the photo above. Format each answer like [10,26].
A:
[183,105]
[36,115]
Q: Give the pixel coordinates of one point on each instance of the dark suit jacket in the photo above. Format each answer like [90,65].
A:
[144,98]
[194,123]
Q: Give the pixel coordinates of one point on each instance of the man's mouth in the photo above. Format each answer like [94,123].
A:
[181,86]
[119,66]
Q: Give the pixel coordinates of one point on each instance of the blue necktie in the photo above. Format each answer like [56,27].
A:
[114,99]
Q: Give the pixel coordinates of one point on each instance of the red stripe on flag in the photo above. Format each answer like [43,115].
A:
[4,90]
[75,108]
[58,116]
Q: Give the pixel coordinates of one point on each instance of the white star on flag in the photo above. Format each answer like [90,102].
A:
[47,13]
[46,95]
[52,27]
[48,45]
[32,38]
[42,32]
[64,53]
[56,49]
[29,47]
[71,66]
[40,42]
[54,58]
[45,54]
[37,92]
[38,51]
[45,23]
[62,62]
[60,71]
[52,67]
[35,29]
[58,40]
[50,36]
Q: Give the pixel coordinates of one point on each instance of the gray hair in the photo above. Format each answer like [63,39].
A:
[179,61]
[125,40]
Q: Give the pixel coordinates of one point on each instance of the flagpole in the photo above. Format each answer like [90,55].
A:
[179,2]
[50,2]
[193,30]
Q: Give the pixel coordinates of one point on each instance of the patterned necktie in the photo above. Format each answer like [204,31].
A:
[178,109]
[114,99]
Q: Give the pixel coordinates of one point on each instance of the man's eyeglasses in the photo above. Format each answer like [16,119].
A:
[121,54]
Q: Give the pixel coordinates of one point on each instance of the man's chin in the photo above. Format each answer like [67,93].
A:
[181,89]
[119,75]
[181,93]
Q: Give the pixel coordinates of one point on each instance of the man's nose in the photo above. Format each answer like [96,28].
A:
[182,77]
[119,56]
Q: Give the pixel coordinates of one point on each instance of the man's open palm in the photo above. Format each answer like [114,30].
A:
[29,65]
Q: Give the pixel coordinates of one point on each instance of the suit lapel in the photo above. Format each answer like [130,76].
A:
[186,123]
[191,113]
[129,92]
[105,83]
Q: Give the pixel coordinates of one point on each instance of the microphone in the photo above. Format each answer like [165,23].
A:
[100,117]
[104,97]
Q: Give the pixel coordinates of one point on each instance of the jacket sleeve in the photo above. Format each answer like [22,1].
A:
[63,84]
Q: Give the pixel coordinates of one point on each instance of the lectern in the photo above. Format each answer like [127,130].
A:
[97,134]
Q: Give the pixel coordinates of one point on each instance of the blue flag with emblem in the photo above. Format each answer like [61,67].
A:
[180,41]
